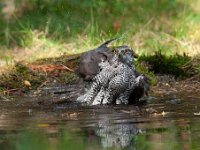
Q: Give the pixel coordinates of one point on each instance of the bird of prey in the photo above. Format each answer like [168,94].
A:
[113,75]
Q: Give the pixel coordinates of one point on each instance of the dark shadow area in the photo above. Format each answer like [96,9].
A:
[180,66]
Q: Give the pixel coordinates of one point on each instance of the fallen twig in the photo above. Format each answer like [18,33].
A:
[67,68]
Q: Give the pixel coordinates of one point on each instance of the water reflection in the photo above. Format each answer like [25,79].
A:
[114,130]
[101,127]
[118,135]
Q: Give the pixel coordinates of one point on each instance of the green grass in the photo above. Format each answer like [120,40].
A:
[44,28]
[148,26]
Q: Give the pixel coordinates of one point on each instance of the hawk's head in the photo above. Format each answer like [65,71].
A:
[125,54]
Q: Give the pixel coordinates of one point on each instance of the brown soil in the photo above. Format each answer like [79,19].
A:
[189,85]
[55,72]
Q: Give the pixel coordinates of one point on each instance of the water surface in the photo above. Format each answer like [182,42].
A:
[165,122]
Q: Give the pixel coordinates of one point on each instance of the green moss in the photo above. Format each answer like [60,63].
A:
[174,65]
[16,77]
[20,73]
[144,70]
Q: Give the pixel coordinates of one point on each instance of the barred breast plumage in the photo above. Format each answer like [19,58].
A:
[117,80]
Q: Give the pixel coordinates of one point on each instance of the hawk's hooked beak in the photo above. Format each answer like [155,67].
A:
[135,55]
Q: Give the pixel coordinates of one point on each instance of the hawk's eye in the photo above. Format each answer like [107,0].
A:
[114,51]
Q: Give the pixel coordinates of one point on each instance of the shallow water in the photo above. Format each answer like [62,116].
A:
[165,122]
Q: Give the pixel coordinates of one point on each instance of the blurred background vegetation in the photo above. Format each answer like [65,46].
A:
[35,29]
